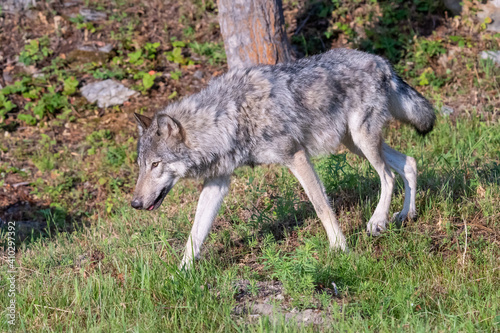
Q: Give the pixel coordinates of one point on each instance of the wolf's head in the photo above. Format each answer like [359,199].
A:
[161,143]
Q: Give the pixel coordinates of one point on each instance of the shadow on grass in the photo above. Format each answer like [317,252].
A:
[34,221]
[351,191]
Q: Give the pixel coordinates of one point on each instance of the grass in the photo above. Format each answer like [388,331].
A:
[120,272]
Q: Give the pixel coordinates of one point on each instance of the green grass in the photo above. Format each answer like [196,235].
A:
[441,272]
[93,264]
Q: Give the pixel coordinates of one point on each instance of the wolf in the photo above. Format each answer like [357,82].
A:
[282,114]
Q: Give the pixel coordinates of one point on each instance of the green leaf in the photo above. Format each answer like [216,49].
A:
[39,110]
[172,95]
[176,75]
[28,119]
[135,57]
[148,80]
[70,85]
[178,43]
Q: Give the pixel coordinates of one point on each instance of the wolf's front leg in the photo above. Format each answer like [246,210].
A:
[301,167]
[214,191]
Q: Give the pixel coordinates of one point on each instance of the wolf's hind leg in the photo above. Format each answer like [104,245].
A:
[406,166]
[212,195]
[369,144]
[302,168]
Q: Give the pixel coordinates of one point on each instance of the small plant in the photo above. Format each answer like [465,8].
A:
[70,85]
[80,22]
[135,58]
[151,50]
[5,106]
[214,52]
[98,139]
[176,75]
[148,80]
[116,156]
[176,54]
[460,41]
[35,51]
[49,102]
[299,271]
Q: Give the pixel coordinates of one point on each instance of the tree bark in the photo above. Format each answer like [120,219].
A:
[253,32]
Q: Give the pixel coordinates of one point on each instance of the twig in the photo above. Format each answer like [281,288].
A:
[20,184]
[49,307]
[302,25]
[465,249]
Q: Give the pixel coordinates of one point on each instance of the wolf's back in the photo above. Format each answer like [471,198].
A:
[409,106]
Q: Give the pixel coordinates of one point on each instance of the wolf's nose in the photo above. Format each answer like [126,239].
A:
[137,204]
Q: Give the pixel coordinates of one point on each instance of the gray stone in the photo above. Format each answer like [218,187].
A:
[446,110]
[493,55]
[198,75]
[454,6]
[16,6]
[492,10]
[92,15]
[94,48]
[7,78]
[107,93]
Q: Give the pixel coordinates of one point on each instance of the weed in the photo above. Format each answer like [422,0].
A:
[297,271]
[214,52]
[176,55]
[35,51]
[176,75]
[5,106]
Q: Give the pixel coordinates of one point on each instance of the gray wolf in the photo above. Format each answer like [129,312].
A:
[282,114]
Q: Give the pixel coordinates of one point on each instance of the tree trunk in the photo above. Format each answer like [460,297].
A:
[253,32]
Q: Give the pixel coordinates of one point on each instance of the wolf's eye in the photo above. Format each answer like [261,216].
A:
[154,165]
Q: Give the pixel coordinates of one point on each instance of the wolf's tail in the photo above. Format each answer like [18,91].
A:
[409,106]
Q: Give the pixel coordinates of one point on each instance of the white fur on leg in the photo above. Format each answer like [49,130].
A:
[212,195]
[302,168]
[406,166]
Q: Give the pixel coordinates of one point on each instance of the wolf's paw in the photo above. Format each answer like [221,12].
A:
[400,217]
[340,244]
[375,228]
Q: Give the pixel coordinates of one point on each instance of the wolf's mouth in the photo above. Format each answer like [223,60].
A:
[159,199]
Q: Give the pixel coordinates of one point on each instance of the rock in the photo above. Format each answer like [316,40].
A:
[492,10]
[454,6]
[7,78]
[198,75]
[91,15]
[95,52]
[81,260]
[75,3]
[493,55]
[107,93]
[446,110]
[106,48]
[16,6]
[88,54]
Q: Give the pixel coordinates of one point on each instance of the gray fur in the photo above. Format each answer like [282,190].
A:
[266,114]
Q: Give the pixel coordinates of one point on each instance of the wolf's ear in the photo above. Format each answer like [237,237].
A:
[169,128]
[143,122]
